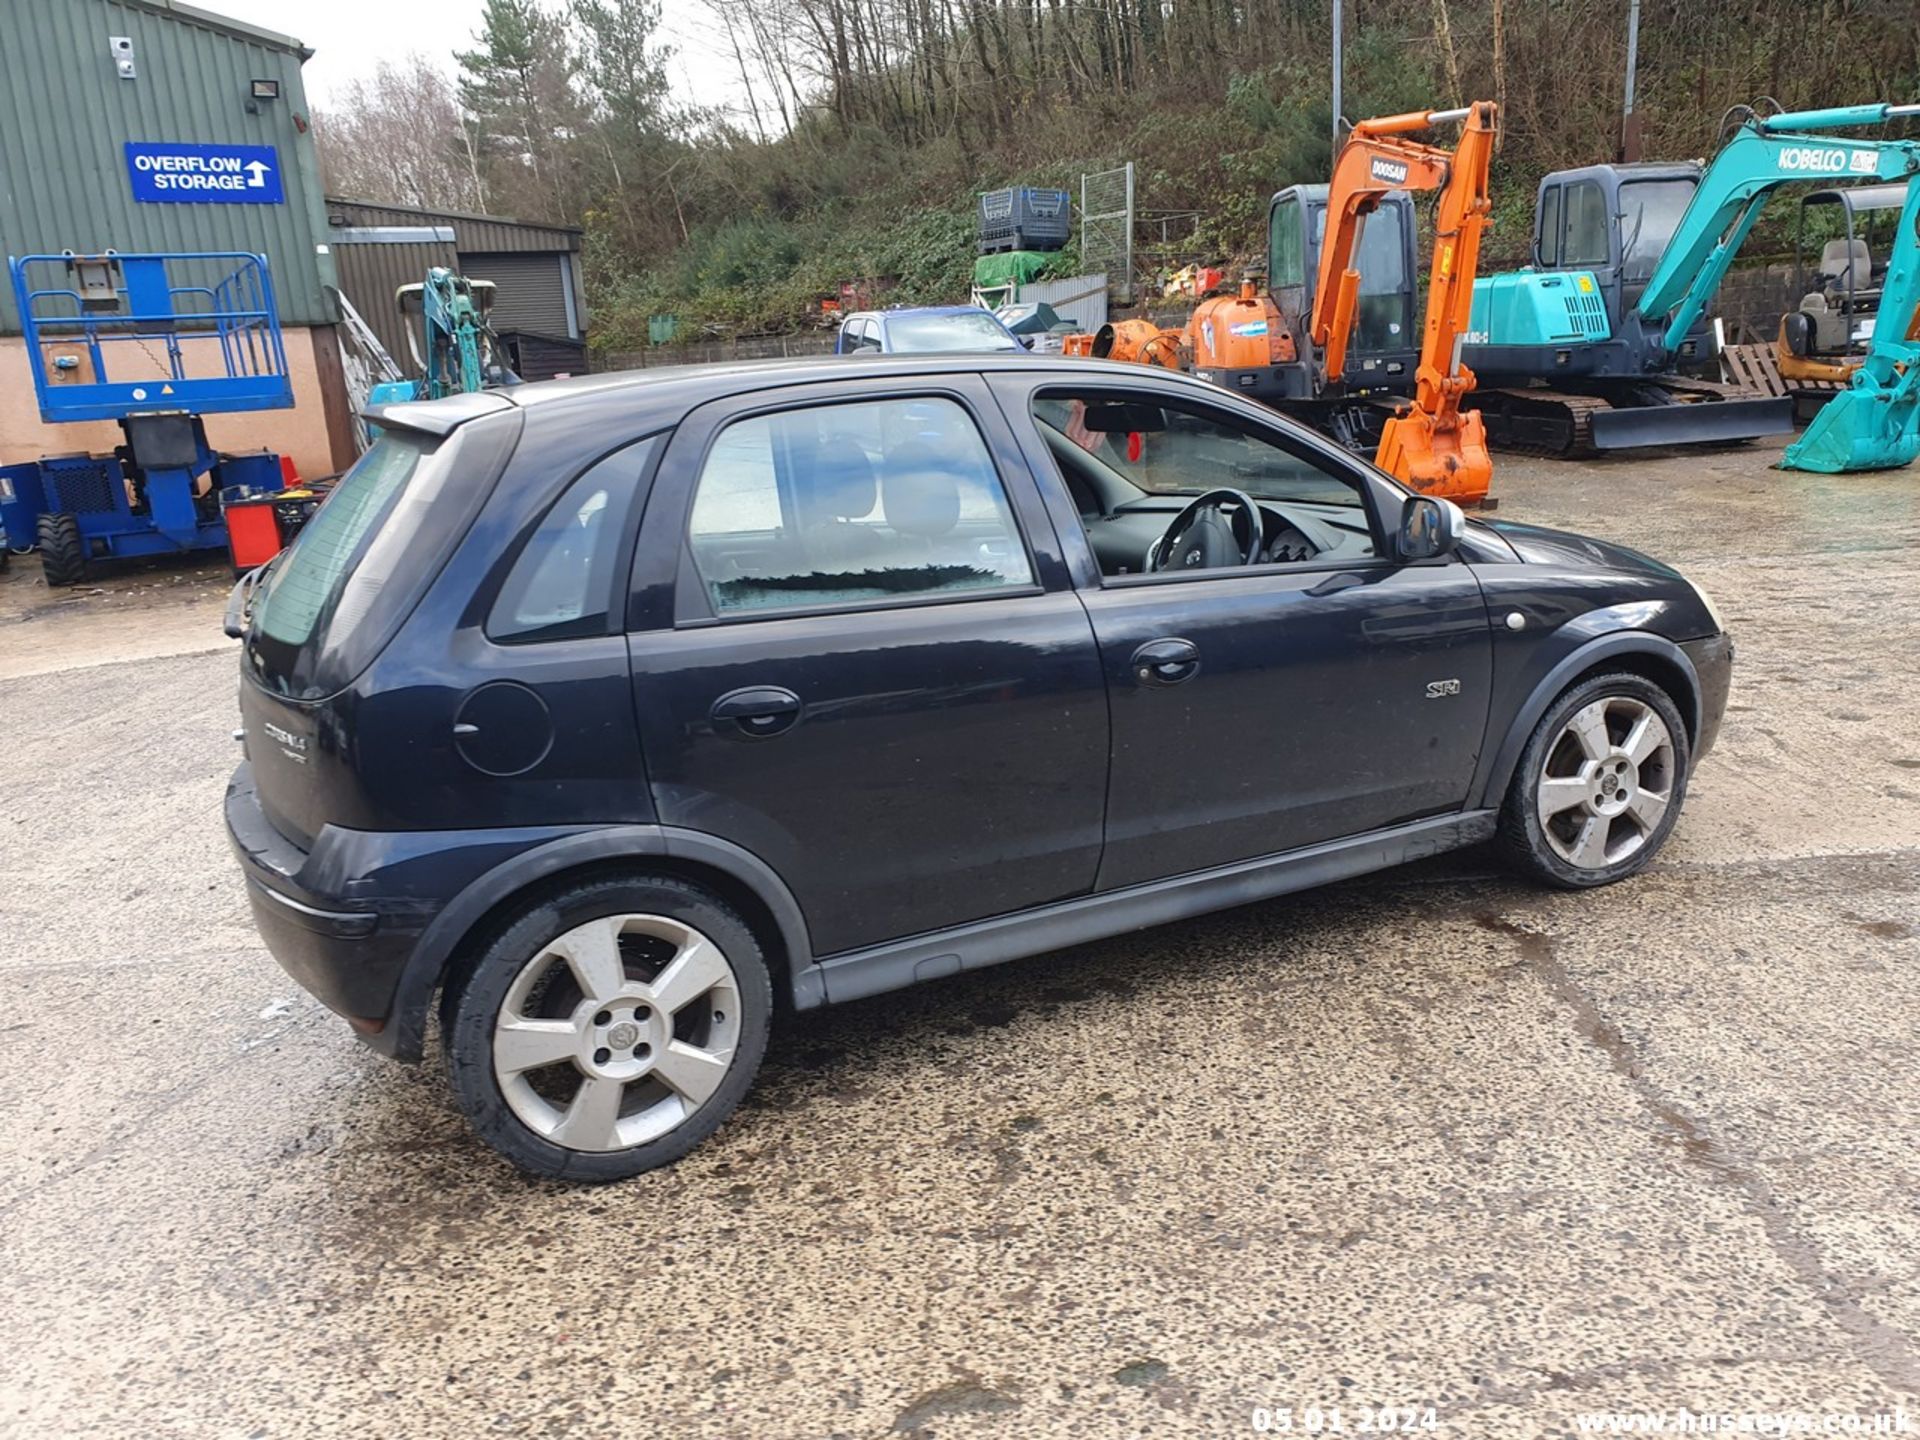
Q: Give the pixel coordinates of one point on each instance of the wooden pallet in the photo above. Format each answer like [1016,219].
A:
[1757,368]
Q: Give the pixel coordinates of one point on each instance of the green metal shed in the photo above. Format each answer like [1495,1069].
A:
[80,79]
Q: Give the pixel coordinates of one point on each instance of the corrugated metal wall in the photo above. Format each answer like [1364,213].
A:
[370,273]
[1079,298]
[65,115]
[534,265]
[485,234]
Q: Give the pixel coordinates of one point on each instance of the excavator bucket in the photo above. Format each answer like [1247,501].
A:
[1865,428]
[1451,462]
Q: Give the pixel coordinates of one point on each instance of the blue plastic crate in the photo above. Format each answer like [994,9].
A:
[1024,218]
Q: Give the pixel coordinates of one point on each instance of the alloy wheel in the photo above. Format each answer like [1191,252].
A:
[616,1032]
[1607,782]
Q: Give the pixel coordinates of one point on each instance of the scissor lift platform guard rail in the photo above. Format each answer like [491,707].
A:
[91,318]
[153,343]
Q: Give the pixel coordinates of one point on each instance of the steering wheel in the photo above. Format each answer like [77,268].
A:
[1201,536]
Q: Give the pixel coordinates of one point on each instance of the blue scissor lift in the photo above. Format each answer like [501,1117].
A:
[153,342]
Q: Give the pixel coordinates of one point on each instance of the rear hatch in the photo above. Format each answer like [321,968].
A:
[324,608]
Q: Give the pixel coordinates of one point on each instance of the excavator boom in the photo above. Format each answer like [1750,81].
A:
[1876,423]
[1432,444]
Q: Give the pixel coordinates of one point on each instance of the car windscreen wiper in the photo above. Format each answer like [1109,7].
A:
[240,600]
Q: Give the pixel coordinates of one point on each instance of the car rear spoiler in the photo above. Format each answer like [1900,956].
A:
[436,417]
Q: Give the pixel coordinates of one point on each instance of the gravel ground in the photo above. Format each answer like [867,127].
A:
[1433,1138]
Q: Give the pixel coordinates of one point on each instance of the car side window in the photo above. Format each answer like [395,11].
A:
[1142,453]
[873,501]
[561,584]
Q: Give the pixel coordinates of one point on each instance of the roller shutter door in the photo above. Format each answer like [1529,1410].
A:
[531,293]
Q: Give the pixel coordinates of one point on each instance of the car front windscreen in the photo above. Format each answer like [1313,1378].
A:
[911,333]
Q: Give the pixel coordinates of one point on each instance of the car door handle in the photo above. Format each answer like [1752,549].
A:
[757,712]
[1160,663]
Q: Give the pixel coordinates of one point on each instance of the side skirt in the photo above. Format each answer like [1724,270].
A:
[901,963]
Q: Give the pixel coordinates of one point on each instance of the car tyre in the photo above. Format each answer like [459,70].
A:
[1599,786]
[63,555]
[579,1051]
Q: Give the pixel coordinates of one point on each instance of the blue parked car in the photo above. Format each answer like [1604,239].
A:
[601,711]
[931,329]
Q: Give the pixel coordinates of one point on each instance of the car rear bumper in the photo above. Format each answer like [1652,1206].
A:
[1713,664]
[320,919]
[346,918]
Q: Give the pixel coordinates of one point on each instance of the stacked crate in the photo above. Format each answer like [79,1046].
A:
[1023,218]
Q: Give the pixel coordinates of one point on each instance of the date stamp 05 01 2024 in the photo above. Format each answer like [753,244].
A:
[1345,1419]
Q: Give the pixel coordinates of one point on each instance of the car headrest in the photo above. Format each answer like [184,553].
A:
[920,493]
[840,480]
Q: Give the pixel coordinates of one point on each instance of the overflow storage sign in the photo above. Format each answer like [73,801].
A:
[165,173]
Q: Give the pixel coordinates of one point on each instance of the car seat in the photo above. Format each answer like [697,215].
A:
[837,486]
[921,496]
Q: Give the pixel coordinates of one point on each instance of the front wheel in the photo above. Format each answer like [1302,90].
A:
[610,1029]
[1599,786]
[63,555]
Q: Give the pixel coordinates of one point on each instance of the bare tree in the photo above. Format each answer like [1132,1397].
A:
[397,137]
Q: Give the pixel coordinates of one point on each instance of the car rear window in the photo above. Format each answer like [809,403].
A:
[306,585]
[330,601]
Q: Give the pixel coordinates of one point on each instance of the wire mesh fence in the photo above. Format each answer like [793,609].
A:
[1106,228]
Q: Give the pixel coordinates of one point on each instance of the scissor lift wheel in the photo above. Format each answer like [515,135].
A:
[63,555]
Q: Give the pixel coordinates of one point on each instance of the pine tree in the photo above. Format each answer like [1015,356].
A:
[518,90]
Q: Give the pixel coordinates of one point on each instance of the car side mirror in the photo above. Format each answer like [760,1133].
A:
[1430,527]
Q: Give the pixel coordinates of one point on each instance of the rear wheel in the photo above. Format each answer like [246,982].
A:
[1599,786]
[63,555]
[609,1030]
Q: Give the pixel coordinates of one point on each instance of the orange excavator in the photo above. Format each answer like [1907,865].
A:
[1431,442]
[1248,342]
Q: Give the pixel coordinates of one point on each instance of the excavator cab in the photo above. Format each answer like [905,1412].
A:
[1599,231]
[1568,362]
[1842,239]
[1385,347]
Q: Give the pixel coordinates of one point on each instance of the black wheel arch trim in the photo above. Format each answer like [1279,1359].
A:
[1497,770]
[404,1035]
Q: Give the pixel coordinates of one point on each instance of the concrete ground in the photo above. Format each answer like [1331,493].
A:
[1435,1138]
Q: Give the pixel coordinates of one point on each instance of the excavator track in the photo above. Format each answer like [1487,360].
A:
[1678,410]
[1539,422]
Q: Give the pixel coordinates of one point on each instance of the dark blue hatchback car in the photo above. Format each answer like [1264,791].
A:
[604,709]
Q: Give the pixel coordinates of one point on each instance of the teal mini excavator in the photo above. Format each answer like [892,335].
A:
[1874,425]
[1595,365]
[458,356]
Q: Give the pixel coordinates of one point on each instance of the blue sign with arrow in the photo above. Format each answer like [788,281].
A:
[168,174]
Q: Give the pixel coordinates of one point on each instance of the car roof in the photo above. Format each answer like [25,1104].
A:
[903,310]
[681,387]
[907,310]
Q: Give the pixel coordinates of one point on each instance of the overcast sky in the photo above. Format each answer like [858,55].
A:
[350,37]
